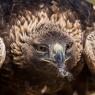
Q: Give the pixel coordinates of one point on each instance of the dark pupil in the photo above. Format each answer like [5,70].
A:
[41,48]
[69,45]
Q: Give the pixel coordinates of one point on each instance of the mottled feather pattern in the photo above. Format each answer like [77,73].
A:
[90,51]
[2,52]
[46,21]
[25,26]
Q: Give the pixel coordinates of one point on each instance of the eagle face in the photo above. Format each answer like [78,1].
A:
[51,51]
[48,46]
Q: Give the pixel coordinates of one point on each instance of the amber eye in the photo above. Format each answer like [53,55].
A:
[40,48]
[69,45]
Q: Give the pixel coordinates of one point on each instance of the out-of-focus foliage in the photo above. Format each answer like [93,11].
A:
[92,1]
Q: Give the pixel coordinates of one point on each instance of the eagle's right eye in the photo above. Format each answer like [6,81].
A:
[40,48]
[69,45]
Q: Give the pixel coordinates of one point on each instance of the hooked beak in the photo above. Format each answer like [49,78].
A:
[59,54]
[57,58]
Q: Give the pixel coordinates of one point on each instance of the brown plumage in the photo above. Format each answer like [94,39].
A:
[44,46]
[89,49]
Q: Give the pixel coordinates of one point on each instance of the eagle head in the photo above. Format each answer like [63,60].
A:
[50,51]
[45,49]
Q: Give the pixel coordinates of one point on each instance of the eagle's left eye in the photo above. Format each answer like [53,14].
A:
[40,48]
[69,45]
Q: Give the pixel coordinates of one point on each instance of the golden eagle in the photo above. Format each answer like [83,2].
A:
[46,47]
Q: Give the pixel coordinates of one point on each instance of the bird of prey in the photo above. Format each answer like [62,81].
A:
[42,46]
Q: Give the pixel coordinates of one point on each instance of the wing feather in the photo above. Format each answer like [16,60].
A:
[90,50]
[2,52]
